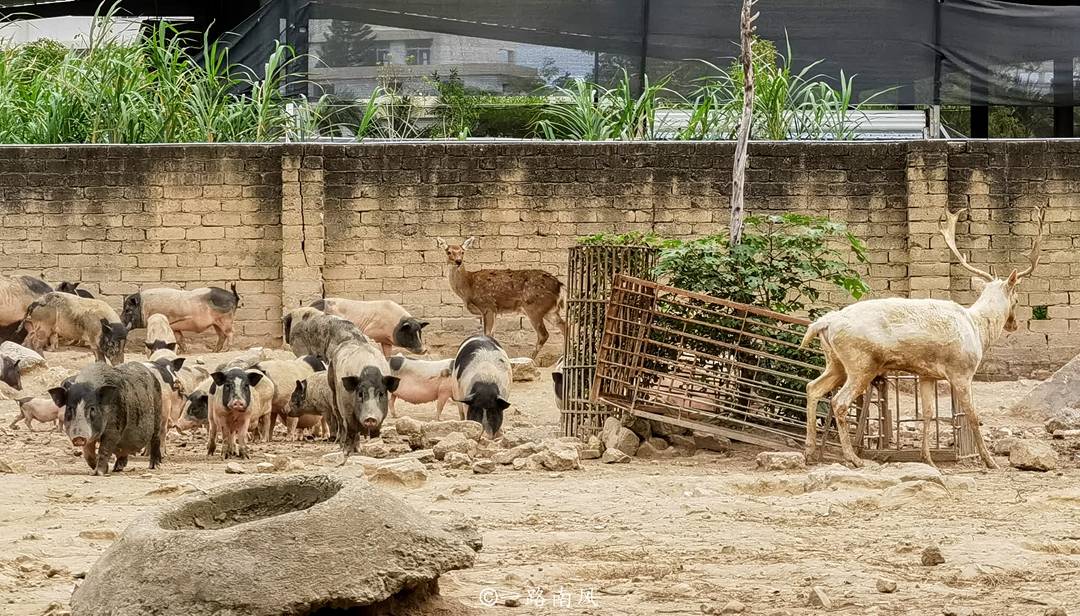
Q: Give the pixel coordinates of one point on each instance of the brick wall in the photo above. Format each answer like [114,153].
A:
[290,222]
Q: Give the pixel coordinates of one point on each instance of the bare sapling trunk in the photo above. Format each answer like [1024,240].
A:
[742,153]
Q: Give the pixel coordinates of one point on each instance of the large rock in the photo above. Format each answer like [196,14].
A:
[1049,398]
[711,442]
[455,441]
[405,472]
[781,460]
[616,436]
[521,451]
[640,427]
[1004,445]
[434,431]
[1033,456]
[558,456]
[407,426]
[614,456]
[359,547]
[837,477]
[455,459]
[524,369]
[1065,419]
[374,449]
[649,450]
[28,358]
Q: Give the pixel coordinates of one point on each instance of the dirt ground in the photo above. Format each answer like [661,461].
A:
[678,536]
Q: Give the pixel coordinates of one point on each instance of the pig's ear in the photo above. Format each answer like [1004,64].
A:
[502,404]
[467,399]
[300,386]
[254,377]
[423,324]
[149,346]
[171,346]
[391,383]
[108,393]
[178,363]
[59,396]
[350,383]
[219,378]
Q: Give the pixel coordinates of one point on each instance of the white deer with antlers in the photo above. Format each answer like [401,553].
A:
[934,339]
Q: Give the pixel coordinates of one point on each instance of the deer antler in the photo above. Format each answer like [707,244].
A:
[948,231]
[1034,255]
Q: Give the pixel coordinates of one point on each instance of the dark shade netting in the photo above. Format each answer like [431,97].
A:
[964,52]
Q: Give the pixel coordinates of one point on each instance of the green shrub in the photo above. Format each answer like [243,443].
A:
[781,264]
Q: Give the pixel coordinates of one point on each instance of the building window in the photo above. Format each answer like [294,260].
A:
[418,52]
[382,53]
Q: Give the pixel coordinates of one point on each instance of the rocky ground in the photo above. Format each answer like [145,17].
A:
[705,533]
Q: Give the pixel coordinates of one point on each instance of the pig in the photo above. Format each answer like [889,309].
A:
[73,289]
[311,332]
[384,321]
[423,381]
[9,372]
[112,410]
[159,334]
[284,373]
[482,382]
[311,397]
[16,295]
[42,410]
[557,382]
[84,322]
[193,311]
[240,399]
[196,407]
[172,395]
[360,385]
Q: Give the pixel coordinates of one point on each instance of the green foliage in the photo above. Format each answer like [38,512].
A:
[591,112]
[787,104]
[781,263]
[507,116]
[1040,313]
[146,91]
[456,111]
[633,238]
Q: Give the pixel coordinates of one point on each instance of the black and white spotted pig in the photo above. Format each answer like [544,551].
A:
[482,382]
[73,289]
[240,399]
[360,384]
[89,323]
[192,311]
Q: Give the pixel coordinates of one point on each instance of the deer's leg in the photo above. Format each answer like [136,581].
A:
[927,391]
[963,391]
[557,319]
[854,386]
[826,382]
[489,321]
[541,332]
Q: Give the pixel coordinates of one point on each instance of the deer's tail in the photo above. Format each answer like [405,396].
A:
[817,328]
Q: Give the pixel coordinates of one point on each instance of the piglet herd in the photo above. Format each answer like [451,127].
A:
[341,385]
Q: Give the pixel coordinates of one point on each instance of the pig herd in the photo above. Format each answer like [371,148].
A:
[341,385]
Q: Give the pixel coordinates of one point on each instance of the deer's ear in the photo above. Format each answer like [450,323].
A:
[441,242]
[470,243]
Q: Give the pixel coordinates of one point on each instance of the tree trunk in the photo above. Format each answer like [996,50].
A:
[742,154]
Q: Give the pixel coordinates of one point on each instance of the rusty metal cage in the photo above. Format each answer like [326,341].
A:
[591,270]
[737,371]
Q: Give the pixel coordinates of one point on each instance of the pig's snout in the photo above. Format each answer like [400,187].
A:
[237,405]
[370,423]
[78,441]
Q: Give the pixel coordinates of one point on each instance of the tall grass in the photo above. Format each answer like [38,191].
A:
[590,112]
[788,104]
[149,90]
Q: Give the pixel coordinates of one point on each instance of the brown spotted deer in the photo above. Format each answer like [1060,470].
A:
[490,292]
[934,339]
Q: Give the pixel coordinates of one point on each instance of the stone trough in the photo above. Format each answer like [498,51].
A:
[295,545]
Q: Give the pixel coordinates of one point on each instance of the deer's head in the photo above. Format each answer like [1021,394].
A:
[1000,294]
[455,253]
